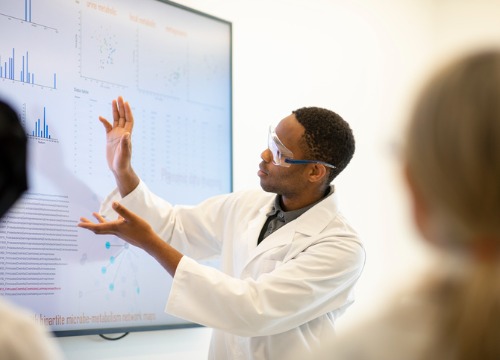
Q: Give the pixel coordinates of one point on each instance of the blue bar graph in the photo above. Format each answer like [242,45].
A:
[25,15]
[41,127]
[27,10]
[8,70]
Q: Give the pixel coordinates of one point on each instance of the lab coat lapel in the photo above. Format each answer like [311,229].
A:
[250,236]
[308,224]
[255,227]
[280,237]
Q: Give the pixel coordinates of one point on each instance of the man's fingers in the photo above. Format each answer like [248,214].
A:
[89,225]
[129,118]
[125,213]
[99,218]
[121,112]
[99,228]
[116,114]
[122,115]
[106,124]
[84,220]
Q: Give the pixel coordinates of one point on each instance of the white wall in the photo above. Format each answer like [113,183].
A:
[360,58]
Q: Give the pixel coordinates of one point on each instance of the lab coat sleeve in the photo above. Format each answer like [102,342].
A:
[204,221]
[315,282]
[141,201]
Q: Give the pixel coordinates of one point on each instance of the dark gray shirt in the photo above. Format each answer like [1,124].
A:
[277,217]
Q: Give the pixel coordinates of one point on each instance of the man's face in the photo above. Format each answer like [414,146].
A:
[286,181]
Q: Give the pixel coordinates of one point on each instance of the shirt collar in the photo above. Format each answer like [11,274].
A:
[287,216]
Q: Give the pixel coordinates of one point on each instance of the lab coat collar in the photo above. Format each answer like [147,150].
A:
[312,222]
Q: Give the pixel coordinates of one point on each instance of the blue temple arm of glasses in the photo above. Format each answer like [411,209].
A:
[294,161]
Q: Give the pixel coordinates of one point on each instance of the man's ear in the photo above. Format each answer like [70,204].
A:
[317,172]
[418,205]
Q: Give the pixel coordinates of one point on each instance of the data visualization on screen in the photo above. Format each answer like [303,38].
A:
[62,62]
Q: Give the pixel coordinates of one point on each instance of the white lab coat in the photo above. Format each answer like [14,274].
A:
[278,300]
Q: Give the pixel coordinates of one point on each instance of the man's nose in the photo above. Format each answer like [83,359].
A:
[267,156]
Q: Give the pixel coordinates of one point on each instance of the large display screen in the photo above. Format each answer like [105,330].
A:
[62,62]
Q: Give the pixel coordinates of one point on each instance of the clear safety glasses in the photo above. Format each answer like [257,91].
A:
[282,156]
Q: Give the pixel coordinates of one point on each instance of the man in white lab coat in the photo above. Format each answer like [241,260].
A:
[289,259]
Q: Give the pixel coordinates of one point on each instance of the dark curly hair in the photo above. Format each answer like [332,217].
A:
[327,138]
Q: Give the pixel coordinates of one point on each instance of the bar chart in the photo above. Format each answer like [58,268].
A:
[40,128]
[17,68]
[23,10]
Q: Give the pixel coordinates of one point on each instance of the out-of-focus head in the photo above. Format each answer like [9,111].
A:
[453,151]
[13,180]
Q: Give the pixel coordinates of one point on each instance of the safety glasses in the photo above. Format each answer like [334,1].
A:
[282,156]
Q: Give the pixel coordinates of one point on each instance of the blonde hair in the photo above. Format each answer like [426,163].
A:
[453,157]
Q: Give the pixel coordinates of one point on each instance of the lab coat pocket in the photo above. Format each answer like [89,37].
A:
[274,258]
[266,261]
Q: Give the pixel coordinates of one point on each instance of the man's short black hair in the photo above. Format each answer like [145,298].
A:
[328,138]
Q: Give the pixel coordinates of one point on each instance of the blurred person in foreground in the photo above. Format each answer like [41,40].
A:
[21,338]
[452,171]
